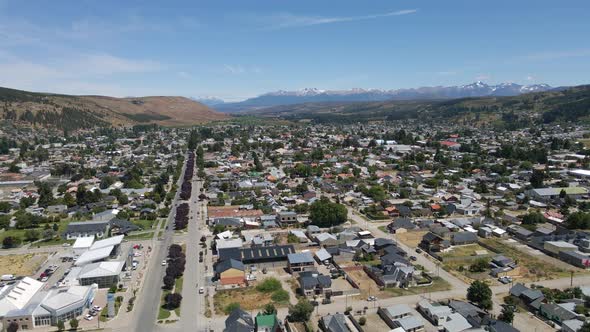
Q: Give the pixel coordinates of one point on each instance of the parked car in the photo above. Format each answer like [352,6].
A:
[201,290]
[413,258]
[505,280]
[44,279]
[96,308]
[164,263]
[88,317]
[418,250]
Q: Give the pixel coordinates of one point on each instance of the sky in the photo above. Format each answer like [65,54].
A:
[238,49]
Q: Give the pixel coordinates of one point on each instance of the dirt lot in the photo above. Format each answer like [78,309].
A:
[249,299]
[411,239]
[375,323]
[366,284]
[536,268]
[21,265]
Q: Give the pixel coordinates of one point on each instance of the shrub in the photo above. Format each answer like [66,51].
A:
[362,321]
[269,285]
[280,296]
[231,307]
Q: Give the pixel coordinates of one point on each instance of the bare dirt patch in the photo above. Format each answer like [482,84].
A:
[21,265]
[411,239]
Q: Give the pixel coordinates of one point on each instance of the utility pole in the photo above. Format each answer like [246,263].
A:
[571,278]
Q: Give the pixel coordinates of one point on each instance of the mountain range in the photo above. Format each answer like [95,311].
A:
[68,112]
[312,95]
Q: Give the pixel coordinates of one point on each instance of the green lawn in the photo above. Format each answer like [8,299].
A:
[144,224]
[438,285]
[140,236]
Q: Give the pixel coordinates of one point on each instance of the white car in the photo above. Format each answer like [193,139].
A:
[201,290]
[44,279]
[96,308]
[88,317]
[164,263]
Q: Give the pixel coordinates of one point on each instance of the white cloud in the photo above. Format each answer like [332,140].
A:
[76,74]
[288,20]
[239,69]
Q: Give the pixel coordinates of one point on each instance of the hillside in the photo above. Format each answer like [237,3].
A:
[572,104]
[23,108]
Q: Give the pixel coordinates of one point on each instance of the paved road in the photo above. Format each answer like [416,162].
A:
[146,310]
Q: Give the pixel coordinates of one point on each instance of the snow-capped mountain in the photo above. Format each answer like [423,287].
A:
[209,101]
[476,89]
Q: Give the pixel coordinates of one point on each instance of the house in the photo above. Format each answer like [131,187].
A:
[432,242]
[323,256]
[228,222]
[557,312]
[409,324]
[313,230]
[274,255]
[462,238]
[335,323]
[267,323]
[575,258]
[326,239]
[519,232]
[78,229]
[455,323]
[531,297]
[231,272]
[105,215]
[555,247]
[313,283]
[434,312]
[400,225]
[56,209]
[392,313]
[571,325]
[299,262]
[239,321]
[122,226]
[286,218]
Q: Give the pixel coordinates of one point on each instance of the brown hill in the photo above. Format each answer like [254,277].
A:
[79,112]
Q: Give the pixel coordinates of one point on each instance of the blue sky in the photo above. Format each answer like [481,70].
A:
[238,49]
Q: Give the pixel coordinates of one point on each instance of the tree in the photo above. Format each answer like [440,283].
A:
[479,265]
[5,207]
[173,301]
[537,178]
[10,242]
[45,194]
[48,234]
[60,325]
[324,213]
[74,323]
[585,327]
[12,327]
[533,218]
[69,200]
[31,235]
[269,309]
[507,314]
[301,311]
[169,282]
[480,293]
[578,220]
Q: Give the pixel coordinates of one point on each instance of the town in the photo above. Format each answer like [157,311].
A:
[404,226]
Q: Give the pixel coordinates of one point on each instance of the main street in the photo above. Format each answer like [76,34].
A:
[148,299]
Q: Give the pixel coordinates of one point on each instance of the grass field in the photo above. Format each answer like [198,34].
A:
[535,268]
[140,236]
[21,265]
[144,224]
